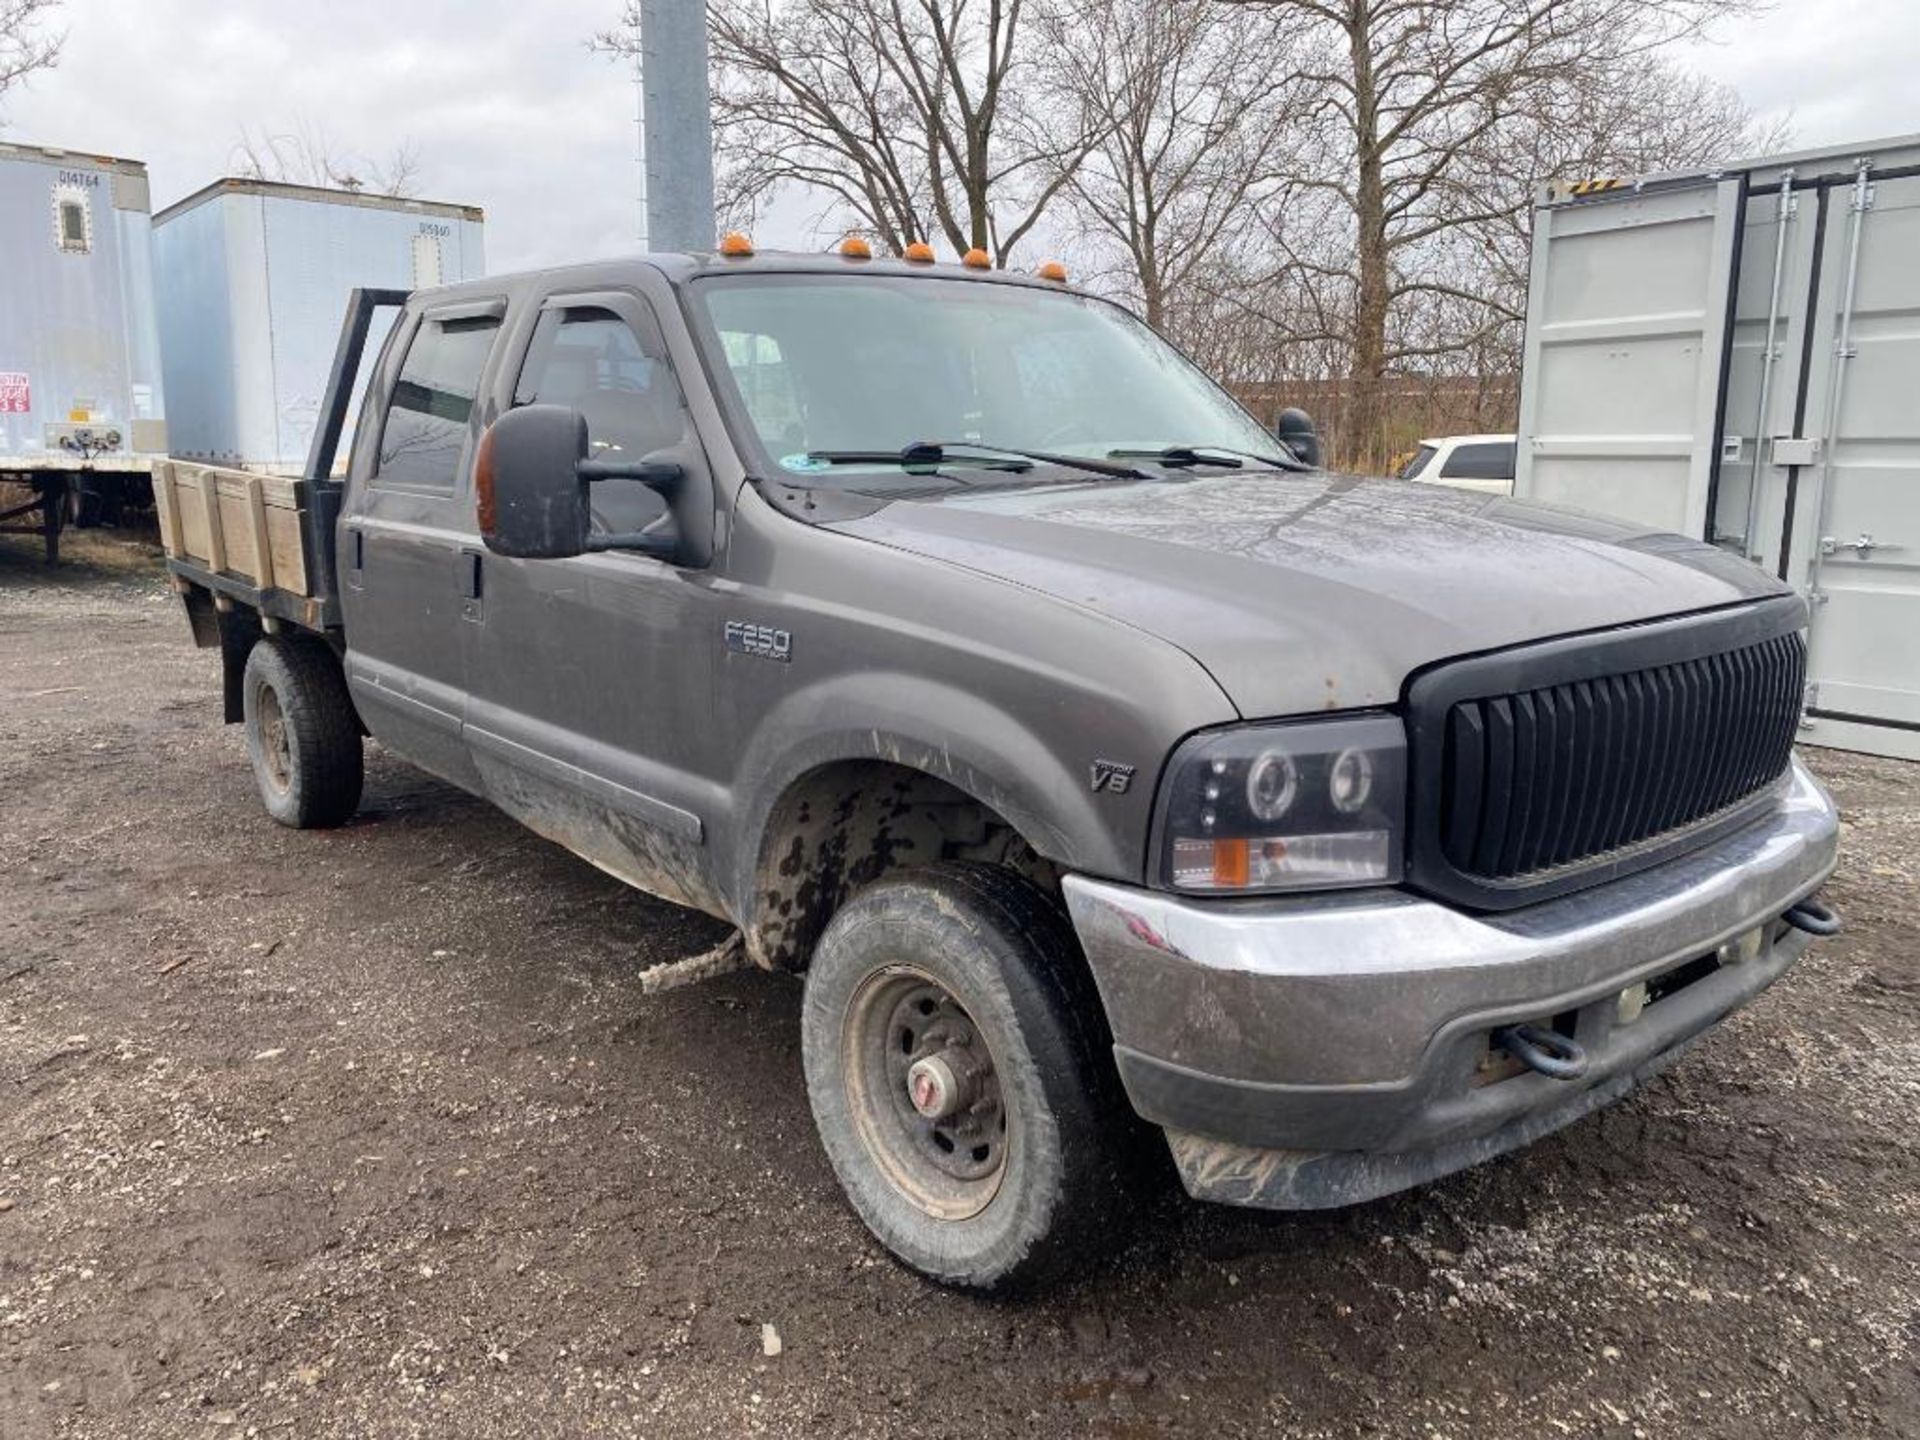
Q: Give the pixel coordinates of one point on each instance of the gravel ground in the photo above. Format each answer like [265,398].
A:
[374,1133]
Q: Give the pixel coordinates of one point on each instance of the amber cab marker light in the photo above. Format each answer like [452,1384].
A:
[854,248]
[920,252]
[976,259]
[735,246]
[1053,270]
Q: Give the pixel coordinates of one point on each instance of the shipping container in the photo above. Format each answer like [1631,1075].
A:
[1733,354]
[253,278]
[80,381]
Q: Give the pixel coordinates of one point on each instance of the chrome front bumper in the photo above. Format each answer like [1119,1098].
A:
[1320,1050]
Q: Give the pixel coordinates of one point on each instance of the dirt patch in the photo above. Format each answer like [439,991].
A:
[375,1132]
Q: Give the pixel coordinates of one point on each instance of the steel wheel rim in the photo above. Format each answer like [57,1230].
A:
[948,1166]
[275,748]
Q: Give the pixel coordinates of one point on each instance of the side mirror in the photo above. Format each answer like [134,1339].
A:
[531,478]
[1295,430]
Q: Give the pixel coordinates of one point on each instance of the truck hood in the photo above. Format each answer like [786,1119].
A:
[1303,592]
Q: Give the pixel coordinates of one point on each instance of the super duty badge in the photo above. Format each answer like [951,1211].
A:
[762,640]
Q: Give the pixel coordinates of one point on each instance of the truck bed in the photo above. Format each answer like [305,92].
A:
[258,540]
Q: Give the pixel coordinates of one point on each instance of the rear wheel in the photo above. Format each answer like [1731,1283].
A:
[956,1066]
[302,734]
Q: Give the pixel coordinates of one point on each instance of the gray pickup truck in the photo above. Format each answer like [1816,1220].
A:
[1123,783]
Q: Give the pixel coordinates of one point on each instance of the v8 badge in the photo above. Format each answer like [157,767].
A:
[1111,777]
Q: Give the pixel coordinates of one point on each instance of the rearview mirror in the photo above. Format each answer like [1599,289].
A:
[1295,430]
[531,477]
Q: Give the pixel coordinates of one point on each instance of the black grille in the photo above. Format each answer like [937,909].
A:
[1577,776]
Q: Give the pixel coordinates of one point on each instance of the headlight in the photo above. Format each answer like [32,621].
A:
[1308,805]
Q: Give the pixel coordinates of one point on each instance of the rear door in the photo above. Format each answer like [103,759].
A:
[408,542]
[1626,328]
[1847,534]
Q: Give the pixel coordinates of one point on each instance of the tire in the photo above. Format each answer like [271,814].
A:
[303,737]
[1002,952]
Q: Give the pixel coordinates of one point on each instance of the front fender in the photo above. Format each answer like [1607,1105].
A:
[939,730]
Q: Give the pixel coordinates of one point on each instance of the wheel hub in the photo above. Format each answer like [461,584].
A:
[925,1095]
[936,1092]
[275,744]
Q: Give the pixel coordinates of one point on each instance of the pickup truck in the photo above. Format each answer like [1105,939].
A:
[1124,785]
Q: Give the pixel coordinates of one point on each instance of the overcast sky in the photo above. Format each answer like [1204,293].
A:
[509,110]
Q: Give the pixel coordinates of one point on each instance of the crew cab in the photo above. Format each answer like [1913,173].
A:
[1111,772]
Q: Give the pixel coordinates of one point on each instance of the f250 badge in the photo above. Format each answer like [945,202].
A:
[761,640]
[1112,777]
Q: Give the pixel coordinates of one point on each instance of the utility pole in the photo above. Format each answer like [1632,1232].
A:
[639,139]
[676,106]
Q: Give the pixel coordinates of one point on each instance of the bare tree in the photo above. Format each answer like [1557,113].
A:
[1642,121]
[1416,101]
[1188,112]
[304,156]
[26,45]
[917,118]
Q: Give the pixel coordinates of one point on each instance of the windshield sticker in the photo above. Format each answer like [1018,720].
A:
[804,464]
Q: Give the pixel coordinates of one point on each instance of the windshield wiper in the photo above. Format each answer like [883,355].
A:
[1186,456]
[998,457]
[916,454]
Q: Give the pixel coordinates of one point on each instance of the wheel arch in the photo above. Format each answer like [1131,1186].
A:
[838,822]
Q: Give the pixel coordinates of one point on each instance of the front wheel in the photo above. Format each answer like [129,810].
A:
[956,1066]
[303,736]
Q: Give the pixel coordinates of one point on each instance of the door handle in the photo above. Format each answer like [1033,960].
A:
[471,582]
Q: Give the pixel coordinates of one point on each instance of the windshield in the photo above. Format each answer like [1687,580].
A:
[835,372]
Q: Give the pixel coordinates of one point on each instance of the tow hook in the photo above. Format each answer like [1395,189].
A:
[1557,1056]
[1813,917]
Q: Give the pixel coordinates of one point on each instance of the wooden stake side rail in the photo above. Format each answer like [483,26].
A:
[238,535]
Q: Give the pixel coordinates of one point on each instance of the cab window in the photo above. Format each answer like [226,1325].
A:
[590,360]
[432,403]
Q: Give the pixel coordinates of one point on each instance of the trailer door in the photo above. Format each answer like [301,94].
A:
[1850,527]
[1626,332]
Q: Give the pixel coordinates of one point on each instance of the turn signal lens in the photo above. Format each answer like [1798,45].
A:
[1231,864]
[920,252]
[977,259]
[735,246]
[1283,862]
[855,248]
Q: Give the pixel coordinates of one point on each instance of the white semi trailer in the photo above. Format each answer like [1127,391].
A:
[1735,354]
[80,385]
[253,276]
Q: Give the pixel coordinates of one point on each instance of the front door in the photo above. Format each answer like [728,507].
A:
[590,679]
[407,543]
